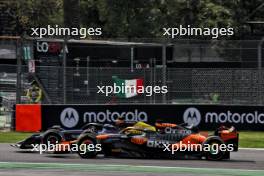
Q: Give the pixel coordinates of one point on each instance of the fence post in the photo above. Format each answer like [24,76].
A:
[260,53]
[132,59]
[164,67]
[87,75]
[18,70]
[151,77]
[154,78]
[153,68]
[260,45]
[64,64]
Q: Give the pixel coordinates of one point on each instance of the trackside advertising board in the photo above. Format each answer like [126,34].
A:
[205,117]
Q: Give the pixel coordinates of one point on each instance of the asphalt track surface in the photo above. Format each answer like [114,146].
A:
[24,162]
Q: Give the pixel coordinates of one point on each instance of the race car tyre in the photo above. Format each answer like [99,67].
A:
[214,153]
[51,138]
[84,151]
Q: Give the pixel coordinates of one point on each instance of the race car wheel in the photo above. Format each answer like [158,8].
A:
[51,138]
[214,152]
[84,151]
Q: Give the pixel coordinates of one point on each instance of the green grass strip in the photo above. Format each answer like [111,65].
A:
[130,169]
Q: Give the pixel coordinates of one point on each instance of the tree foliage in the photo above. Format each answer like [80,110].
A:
[34,13]
[146,18]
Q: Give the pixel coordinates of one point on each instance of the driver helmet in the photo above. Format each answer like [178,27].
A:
[120,121]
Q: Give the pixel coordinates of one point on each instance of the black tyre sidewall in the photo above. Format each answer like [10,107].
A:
[214,157]
[90,154]
[49,135]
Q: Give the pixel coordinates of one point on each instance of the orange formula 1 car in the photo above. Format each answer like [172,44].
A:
[165,140]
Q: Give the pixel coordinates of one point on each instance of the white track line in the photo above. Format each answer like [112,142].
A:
[251,149]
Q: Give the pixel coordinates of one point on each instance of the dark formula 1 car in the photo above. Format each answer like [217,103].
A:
[145,141]
[56,134]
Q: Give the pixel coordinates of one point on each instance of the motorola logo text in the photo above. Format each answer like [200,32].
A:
[192,116]
[224,117]
[69,117]
[109,116]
